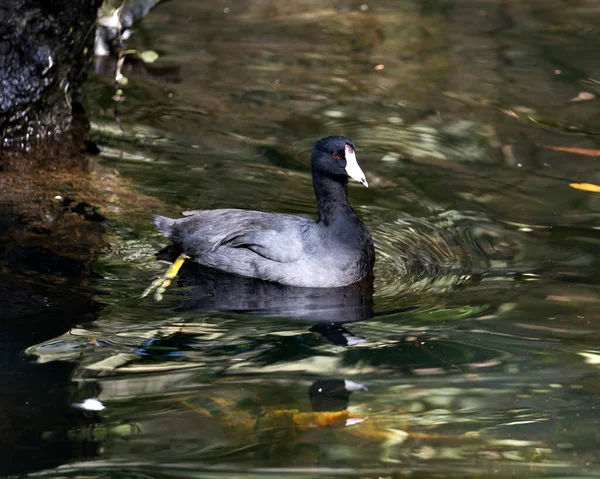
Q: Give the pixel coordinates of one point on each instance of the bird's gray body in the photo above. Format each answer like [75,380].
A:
[286,249]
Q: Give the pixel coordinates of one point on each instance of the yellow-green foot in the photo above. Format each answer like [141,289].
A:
[160,285]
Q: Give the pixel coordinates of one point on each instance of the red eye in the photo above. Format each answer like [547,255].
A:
[335,155]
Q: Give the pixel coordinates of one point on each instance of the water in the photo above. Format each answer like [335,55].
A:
[475,352]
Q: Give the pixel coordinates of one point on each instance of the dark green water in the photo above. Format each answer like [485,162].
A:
[480,348]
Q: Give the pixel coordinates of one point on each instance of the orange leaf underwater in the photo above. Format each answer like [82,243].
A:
[576,151]
[586,187]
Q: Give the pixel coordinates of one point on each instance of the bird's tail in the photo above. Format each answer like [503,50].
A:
[164,224]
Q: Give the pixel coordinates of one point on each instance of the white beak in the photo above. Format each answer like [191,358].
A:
[352,167]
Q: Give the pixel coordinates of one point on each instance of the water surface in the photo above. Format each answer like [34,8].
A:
[475,351]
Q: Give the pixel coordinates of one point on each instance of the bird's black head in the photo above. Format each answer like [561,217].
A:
[335,156]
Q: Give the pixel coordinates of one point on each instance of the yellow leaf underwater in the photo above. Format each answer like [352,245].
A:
[586,187]
[321,419]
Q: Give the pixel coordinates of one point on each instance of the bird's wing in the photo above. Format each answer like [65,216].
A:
[274,236]
[268,243]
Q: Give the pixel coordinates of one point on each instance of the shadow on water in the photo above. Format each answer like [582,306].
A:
[38,424]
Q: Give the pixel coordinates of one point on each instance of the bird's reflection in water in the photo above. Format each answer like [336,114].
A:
[210,290]
[213,290]
[332,394]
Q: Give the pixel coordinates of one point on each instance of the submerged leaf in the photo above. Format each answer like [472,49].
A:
[584,96]
[586,187]
[321,419]
[576,151]
[149,56]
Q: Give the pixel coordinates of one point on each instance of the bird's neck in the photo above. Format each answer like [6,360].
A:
[332,199]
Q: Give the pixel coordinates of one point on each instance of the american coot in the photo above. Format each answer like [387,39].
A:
[335,250]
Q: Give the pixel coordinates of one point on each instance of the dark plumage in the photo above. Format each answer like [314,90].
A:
[335,250]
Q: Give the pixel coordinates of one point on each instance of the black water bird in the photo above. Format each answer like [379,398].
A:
[334,250]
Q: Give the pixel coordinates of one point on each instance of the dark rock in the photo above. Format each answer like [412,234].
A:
[45,47]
